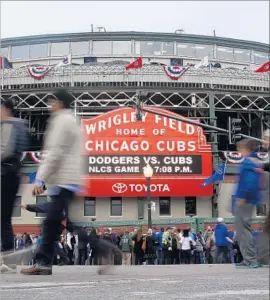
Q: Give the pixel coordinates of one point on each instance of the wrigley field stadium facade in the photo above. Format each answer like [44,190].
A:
[92,66]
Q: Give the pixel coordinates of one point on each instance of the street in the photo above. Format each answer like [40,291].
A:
[201,282]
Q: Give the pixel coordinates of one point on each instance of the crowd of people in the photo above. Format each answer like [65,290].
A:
[172,245]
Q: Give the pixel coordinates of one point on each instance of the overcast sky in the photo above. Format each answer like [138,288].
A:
[248,20]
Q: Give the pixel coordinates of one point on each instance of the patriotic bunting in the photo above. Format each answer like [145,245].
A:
[38,72]
[174,72]
[37,156]
[237,158]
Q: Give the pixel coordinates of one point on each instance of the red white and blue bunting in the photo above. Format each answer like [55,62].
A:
[237,158]
[175,72]
[38,72]
[37,156]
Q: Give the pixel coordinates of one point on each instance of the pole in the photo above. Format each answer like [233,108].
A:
[148,180]
[214,141]
[186,120]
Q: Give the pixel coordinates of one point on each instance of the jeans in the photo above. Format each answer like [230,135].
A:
[10,182]
[187,256]
[160,257]
[198,257]
[57,212]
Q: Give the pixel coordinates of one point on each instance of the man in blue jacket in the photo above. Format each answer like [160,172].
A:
[221,241]
[247,198]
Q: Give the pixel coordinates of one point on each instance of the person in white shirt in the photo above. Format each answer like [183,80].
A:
[187,244]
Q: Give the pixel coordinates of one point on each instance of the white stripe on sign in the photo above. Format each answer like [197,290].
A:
[230,293]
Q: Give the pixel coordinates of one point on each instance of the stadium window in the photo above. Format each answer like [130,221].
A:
[80,48]
[225,53]
[242,55]
[190,206]
[168,48]
[102,47]
[16,213]
[38,50]
[121,47]
[203,50]
[260,58]
[185,50]
[150,48]
[20,52]
[39,200]
[60,49]
[164,206]
[116,206]
[4,52]
[89,206]
[261,210]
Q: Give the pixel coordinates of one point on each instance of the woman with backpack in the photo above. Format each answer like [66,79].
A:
[199,249]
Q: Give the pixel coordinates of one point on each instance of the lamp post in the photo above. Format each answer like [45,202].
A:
[148,173]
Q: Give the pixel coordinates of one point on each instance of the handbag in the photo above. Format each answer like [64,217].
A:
[144,245]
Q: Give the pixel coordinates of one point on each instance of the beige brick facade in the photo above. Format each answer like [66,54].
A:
[130,207]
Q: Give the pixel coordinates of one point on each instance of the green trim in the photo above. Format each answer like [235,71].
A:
[196,223]
[156,222]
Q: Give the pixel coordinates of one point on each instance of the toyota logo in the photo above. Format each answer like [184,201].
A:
[119,188]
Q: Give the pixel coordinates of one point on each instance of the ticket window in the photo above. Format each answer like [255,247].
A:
[141,204]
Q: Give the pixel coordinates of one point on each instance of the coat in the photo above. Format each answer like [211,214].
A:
[62,164]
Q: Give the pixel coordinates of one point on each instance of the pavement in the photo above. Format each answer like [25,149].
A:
[202,282]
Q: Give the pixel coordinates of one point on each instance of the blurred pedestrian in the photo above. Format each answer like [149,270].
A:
[14,141]
[61,172]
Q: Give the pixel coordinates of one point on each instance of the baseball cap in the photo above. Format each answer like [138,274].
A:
[220,220]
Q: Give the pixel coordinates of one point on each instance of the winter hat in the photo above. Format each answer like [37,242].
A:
[8,104]
[64,96]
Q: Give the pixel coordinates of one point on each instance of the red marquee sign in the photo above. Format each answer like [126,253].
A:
[116,148]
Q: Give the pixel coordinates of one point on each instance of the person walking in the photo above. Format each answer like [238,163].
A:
[14,141]
[61,172]
[263,239]
[247,197]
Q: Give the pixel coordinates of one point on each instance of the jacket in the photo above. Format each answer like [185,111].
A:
[62,164]
[14,141]
[126,243]
[248,187]
[221,232]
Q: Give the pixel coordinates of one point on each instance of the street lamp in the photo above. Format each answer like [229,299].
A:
[148,173]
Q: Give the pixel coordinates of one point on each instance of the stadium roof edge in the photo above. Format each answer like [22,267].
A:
[128,35]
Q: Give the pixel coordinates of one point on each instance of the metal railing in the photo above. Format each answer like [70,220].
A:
[96,75]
